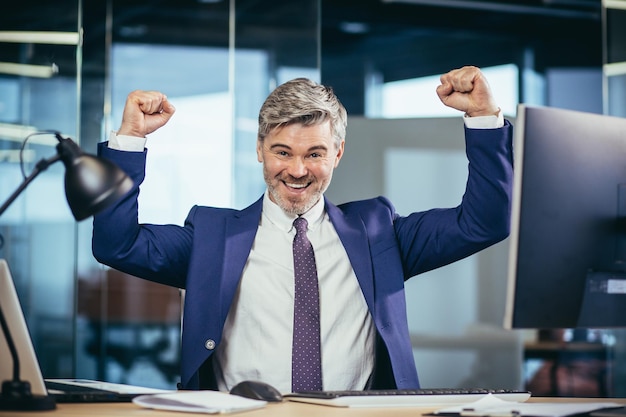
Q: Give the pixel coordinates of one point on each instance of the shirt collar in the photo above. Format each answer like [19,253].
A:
[284,221]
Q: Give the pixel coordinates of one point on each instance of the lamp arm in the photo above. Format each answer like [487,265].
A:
[41,166]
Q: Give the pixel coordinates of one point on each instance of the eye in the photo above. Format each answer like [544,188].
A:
[315,155]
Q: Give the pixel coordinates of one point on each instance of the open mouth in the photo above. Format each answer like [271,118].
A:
[297,186]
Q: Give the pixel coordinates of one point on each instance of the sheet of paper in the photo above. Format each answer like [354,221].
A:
[205,401]
[490,406]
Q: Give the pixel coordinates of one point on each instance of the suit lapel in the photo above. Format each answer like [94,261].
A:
[353,235]
[240,232]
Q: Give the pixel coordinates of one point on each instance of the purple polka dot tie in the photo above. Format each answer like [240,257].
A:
[306,367]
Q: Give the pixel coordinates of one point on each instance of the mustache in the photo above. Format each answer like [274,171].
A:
[293,180]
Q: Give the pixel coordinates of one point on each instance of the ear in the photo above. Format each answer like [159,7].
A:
[340,152]
[259,150]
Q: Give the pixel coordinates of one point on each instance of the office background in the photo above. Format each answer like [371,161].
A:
[217,60]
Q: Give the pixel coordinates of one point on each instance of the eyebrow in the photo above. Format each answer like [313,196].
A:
[312,148]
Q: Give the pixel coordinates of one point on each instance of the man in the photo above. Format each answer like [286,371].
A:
[237,266]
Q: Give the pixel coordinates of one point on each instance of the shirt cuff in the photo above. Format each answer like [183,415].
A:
[126,143]
[484,122]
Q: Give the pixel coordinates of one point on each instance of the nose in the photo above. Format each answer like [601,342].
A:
[297,168]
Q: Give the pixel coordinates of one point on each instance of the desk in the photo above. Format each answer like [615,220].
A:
[285,409]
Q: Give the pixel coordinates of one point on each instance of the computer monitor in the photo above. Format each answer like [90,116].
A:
[12,310]
[567,260]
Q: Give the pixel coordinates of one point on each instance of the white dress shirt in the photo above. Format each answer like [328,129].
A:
[257,336]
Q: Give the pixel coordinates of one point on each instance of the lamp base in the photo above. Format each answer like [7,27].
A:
[16,396]
[32,403]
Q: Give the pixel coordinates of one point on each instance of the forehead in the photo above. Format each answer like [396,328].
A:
[297,133]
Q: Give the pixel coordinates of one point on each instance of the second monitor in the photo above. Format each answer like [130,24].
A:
[567,261]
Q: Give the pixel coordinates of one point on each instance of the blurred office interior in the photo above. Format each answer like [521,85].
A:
[68,65]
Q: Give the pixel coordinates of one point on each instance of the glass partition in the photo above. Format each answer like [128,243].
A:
[39,79]
[614,95]
[216,60]
[224,59]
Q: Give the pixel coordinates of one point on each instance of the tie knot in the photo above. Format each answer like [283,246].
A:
[300,224]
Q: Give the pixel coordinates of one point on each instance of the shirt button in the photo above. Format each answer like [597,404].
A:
[209,344]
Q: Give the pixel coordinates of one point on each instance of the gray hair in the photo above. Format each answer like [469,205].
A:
[302,101]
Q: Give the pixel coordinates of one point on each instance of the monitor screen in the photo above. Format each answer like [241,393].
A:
[567,260]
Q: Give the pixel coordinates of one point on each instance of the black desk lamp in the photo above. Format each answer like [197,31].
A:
[91,184]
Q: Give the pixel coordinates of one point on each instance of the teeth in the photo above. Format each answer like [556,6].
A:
[297,185]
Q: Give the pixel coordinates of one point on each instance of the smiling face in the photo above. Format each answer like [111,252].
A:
[298,164]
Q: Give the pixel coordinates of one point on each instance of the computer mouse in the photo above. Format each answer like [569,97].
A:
[257,390]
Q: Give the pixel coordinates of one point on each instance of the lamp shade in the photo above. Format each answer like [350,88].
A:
[91,183]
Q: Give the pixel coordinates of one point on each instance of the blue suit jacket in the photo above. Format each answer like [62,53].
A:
[207,255]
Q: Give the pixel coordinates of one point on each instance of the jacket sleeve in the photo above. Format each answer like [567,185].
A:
[156,252]
[437,237]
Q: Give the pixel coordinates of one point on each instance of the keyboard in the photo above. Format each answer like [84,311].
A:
[90,391]
[67,393]
[423,397]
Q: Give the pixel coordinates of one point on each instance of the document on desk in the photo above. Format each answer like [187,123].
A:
[205,401]
[490,406]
